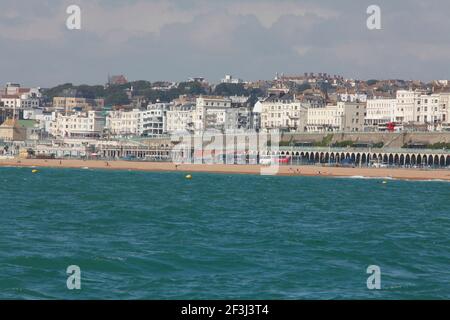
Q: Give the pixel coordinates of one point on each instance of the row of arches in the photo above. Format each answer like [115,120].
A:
[324,157]
[362,158]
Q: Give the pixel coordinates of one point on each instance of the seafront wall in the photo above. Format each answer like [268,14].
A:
[390,140]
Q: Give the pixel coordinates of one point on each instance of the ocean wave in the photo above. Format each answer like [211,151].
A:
[366,178]
[392,179]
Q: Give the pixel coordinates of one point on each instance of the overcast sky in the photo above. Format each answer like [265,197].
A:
[251,39]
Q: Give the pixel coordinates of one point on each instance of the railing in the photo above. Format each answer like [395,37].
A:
[367,132]
[367,150]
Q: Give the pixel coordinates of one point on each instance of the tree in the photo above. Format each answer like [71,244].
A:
[90,92]
[193,87]
[117,98]
[230,89]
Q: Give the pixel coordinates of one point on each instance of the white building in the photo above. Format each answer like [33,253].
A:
[433,110]
[43,119]
[136,122]
[20,102]
[229,79]
[179,119]
[379,113]
[283,112]
[11,101]
[15,97]
[212,112]
[79,124]
[123,123]
[407,105]
[154,120]
[345,116]
[256,115]
[323,119]
[444,104]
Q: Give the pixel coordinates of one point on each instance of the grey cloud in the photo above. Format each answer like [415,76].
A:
[412,44]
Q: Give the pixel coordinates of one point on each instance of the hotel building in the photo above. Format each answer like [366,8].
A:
[407,104]
[149,123]
[179,119]
[345,116]
[379,113]
[212,112]
[79,124]
[283,112]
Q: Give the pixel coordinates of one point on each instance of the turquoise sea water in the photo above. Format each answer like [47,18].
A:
[142,235]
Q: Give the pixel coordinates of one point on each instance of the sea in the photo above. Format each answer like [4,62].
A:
[158,235]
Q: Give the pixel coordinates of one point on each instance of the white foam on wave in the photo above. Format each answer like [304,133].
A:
[367,178]
[393,179]
[428,180]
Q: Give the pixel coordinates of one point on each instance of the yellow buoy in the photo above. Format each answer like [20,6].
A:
[34,171]
[189,177]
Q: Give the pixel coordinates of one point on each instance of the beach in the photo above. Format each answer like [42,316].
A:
[285,170]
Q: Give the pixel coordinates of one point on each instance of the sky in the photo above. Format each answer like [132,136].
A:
[250,39]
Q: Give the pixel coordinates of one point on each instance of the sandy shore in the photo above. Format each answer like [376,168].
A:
[407,174]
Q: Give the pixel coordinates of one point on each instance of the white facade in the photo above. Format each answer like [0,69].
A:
[256,115]
[444,105]
[153,120]
[345,116]
[380,112]
[412,107]
[179,119]
[428,110]
[11,102]
[213,113]
[324,119]
[80,124]
[150,122]
[14,96]
[407,104]
[229,79]
[29,102]
[433,110]
[45,120]
[123,123]
[20,102]
[284,112]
